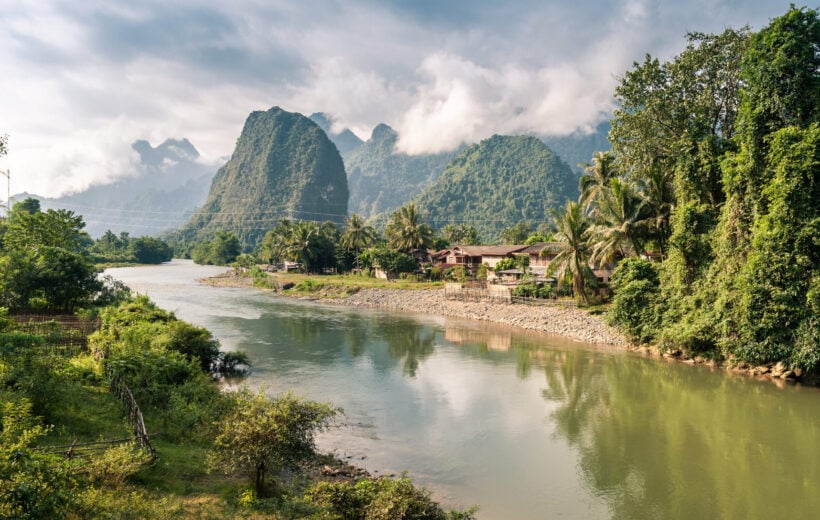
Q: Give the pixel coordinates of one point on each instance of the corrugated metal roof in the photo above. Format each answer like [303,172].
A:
[488,250]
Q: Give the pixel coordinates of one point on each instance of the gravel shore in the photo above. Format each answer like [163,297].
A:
[563,321]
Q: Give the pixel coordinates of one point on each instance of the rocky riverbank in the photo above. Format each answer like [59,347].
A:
[564,321]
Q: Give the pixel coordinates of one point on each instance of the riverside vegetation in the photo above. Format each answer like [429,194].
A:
[65,448]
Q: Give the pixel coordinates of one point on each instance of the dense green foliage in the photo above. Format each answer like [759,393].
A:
[378,499]
[731,129]
[635,304]
[382,179]
[497,183]
[310,244]
[223,249]
[123,248]
[283,166]
[394,262]
[44,259]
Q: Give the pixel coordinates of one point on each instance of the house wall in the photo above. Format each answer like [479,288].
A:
[491,260]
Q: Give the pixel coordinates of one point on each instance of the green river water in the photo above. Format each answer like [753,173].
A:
[525,426]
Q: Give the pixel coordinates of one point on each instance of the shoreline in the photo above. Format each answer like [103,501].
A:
[567,322]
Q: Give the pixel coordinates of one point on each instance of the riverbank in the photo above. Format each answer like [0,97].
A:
[562,321]
[569,322]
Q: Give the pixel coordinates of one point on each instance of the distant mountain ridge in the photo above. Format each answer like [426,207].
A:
[169,184]
[284,165]
[346,141]
[497,183]
[578,147]
[382,179]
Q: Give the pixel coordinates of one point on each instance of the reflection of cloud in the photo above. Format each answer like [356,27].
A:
[81,73]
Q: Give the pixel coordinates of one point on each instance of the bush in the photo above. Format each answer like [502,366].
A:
[115,465]
[634,304]
[379,499]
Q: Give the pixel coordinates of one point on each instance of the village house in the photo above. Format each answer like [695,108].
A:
[540,254]
[473,256]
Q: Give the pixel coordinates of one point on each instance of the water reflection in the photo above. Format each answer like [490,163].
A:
[664,441]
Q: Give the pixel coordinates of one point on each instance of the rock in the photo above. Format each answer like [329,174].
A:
[787,375]
[760,370]
[284,286]
[779,369]
[798,373]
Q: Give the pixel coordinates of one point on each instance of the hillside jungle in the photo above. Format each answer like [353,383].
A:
[707,203]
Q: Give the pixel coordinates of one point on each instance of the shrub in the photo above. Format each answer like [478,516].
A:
[115,465]
[379,499]
[634,305]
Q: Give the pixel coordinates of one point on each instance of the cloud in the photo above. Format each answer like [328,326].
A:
[84,79]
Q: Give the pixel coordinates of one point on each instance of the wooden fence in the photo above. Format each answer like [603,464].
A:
[84,450]
[473,292]
[62,332]
[133,413]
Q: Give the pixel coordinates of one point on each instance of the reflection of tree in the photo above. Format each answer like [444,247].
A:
[661,440]
[410,344]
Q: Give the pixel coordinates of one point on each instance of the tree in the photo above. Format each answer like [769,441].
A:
[149,250]
[275,242]
[406,231]
[33,484]
[222,250]
[357,236]
[262,435]
[596,179]
[572,261]
[394,262]
[619,222]
[461,234]
[516,234]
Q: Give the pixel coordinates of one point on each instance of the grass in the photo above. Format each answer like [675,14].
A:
[337,286]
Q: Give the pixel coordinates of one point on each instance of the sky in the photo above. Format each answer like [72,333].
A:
[82,80]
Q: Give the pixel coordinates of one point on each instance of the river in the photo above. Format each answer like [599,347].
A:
[523,425]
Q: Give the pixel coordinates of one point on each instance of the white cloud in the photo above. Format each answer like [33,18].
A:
[83,80]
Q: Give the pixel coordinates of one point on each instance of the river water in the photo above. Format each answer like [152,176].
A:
[525,426]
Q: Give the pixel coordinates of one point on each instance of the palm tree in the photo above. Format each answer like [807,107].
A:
[593,183]
[357,235]
[406,232]
[275,243]
[620,221]
[302,245]
[572,261]
[660,199]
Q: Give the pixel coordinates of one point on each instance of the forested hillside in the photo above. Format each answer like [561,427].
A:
[497,183]
[382,179]
[284,165]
